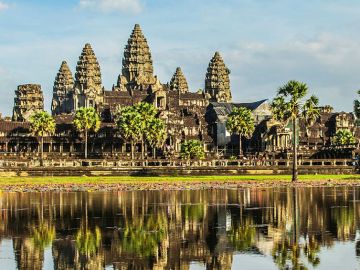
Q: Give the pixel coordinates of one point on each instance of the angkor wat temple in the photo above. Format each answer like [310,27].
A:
[188,115]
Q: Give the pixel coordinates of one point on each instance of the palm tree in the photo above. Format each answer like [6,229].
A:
[155,134]
[42,124]
[288,106]
[241,122]
[85,120]
[130,123]
[147,112]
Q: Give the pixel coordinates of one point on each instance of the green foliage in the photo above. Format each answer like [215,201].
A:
[288,104]
[143,235]
[242,236]
[130,123]
[42,124]
[87,119]
[88,242]
[240,121]
[140,123]
[343,137]
[43,235]
[192,149]
[155,132]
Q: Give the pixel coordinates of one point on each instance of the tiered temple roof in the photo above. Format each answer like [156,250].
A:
[88,73]
[63,85]
[178,82]
[28,100]
[217,82]
[137,63]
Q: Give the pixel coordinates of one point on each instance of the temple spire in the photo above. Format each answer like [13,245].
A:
[178,82]
[63,85]
[137,63]
[88,68]
[217,82]
[88,84]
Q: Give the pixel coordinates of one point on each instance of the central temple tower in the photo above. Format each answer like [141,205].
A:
[137,64]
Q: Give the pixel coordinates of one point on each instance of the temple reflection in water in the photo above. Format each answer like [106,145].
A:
[174,229]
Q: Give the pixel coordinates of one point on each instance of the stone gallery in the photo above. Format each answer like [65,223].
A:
[199,115]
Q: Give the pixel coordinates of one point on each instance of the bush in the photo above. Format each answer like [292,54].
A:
[192,149]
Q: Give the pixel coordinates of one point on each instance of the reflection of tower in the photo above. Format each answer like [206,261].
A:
[27,255]
[63,254]
[217,240]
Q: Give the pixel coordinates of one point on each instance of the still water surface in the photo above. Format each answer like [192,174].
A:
[275,228]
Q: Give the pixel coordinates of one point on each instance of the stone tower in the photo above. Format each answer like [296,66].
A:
[217,83]
[137,64]
[28,100]
[88,90]
[62,91]
[178,82]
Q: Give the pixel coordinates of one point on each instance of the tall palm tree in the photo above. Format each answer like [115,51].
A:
[85,120]
[147,113]
[130,124]
[289,105]
[42,124]
[155,134]
[241,122]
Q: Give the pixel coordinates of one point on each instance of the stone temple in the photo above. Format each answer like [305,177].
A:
[188,114]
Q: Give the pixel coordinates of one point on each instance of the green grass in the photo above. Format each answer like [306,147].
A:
[18,180]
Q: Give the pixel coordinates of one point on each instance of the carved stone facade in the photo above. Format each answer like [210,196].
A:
[88,90]
[28,100]
[188,115]
[178,82]
[137,69]
[217,82]
[62,101]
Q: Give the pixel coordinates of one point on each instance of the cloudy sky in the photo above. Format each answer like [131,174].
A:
[263,42]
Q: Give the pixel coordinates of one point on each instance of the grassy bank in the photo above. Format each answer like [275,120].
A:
[6,181]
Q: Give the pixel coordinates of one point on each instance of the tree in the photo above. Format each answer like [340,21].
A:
[85,120]
[155,133]
[147,113]
[42,124]
[130,123]
[192,149]
[241,122]
[343,137]
[288,105]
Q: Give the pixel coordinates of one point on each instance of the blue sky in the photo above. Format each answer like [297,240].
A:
[263,42]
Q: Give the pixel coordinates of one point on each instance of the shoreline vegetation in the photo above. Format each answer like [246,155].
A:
[132,183]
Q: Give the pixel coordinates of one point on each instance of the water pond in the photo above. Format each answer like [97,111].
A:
[271,228]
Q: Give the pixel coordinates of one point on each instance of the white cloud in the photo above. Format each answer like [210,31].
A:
[112,5]
[3,6]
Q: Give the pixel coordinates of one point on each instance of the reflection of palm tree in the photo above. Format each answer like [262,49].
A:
[88,242]
[143,237]
[242,237]
[193,212]
[43,235]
